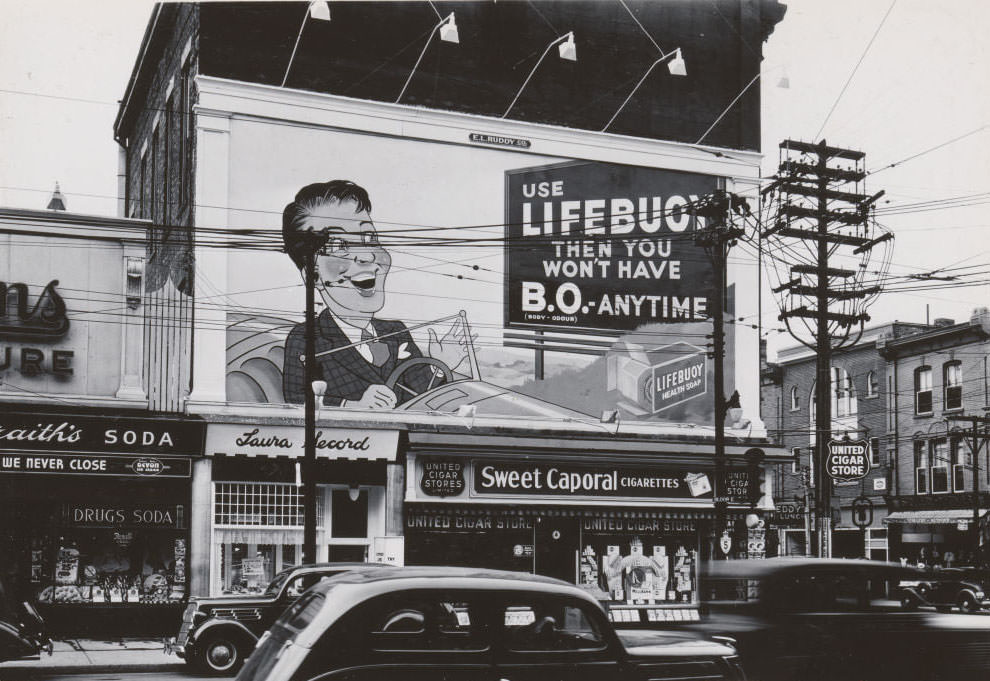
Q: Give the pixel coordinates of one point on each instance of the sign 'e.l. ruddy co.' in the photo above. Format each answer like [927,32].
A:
[331,443]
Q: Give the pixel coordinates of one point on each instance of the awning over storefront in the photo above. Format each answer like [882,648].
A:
[949,516]
[355,444]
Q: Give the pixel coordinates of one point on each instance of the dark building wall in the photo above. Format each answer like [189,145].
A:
[368,50]
[157,131]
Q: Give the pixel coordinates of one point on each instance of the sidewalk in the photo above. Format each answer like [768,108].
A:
[80,656]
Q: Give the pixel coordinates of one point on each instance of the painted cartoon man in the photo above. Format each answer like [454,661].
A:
[360,351]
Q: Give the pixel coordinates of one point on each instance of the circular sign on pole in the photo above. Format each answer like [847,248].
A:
[862,512]
[847,460]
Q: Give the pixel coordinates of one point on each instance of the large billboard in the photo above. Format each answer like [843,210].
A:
[425,259]
[604,246]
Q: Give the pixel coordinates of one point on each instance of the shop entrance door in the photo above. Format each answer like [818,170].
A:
[557,541]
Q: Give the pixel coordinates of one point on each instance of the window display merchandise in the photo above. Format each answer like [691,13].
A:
[99,565]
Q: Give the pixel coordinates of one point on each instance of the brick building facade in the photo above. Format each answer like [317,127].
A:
[860,410]
[939,375]
[156,131]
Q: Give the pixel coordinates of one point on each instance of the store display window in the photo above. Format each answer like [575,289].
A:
[117,552]
[111,566]
[661,568]
[258,530]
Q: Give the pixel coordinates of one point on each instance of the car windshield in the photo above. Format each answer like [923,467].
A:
[275,586]
[298,615]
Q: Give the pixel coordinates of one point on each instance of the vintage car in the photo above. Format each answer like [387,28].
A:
[465,624]
[947,588]
[807,619]
[217,634]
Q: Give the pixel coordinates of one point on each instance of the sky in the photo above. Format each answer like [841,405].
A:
[906,82]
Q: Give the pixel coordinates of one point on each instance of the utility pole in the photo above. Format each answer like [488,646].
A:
[717,237]
[812,200]
[309,407]
[977,438]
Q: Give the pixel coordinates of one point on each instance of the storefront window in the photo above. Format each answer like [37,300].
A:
[105,565]
[657,567]
[248,568]
[621,559]
[258,530]
[80,552]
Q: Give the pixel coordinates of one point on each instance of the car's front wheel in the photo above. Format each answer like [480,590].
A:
[968,604]
[218,655]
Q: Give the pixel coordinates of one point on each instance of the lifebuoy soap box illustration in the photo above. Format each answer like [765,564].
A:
[567,248]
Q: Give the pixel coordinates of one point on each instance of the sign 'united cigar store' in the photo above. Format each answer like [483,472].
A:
[492,477]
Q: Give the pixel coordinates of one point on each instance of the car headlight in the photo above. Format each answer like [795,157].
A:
[979,594]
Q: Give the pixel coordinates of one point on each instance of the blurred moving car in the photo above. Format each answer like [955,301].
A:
[217,634]
[464,624]
[22,630]
[808,619]
[963,588]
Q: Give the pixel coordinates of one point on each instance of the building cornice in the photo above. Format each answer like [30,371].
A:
[973,331]
[220,97]
[72,225]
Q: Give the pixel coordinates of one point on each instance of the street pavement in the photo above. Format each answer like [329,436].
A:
[88,656]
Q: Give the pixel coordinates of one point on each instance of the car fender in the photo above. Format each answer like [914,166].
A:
[968,591]
[216,624]
[916,592]
[20,646]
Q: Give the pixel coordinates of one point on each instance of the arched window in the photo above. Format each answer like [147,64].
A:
[952,385]
[923,390]
[795,399]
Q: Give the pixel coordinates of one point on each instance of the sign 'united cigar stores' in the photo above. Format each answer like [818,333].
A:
[442,478]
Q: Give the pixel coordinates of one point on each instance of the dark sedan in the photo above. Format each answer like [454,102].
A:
[947,588]
[810,619]
[463,624]
[218,633]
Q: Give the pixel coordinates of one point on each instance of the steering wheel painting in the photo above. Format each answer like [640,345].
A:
[395,382]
